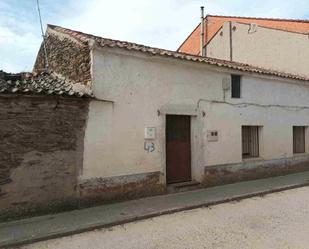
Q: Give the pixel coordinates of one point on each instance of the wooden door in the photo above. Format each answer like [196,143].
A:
[178,148]
[250,141]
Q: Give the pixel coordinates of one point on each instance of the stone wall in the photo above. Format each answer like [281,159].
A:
[122,187]
[66,57]
[41,149]
[251,170]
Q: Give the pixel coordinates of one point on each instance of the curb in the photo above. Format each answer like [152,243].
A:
[147,216]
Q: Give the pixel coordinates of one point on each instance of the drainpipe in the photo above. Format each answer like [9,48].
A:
[231,40]
[202,42]
[206,35]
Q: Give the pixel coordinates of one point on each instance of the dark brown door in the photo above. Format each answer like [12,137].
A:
[178,148]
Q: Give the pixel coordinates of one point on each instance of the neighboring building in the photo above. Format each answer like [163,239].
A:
[278,44]
[151,118]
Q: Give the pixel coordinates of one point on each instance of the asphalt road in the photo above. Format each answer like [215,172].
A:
[279,220]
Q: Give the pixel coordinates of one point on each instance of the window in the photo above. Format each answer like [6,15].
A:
[250,141]
[235,85]
[299,139]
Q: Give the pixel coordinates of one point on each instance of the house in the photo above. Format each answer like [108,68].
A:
[143,119]
[278,44]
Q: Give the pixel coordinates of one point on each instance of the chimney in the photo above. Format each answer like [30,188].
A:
[202,37]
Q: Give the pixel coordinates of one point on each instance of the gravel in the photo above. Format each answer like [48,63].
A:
[279,220]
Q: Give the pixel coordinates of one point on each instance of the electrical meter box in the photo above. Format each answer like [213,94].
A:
[150,133]
[226,84]
[212,136]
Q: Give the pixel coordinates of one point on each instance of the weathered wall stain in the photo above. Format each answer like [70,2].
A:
[41,148]
[230,173]
[122,187]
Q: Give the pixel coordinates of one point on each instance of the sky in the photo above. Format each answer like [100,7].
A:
[158,23]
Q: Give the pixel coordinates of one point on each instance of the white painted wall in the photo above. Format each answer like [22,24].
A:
[139,85]
[219,46]
[269,48]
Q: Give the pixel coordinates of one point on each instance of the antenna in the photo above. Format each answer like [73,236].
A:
[44,44]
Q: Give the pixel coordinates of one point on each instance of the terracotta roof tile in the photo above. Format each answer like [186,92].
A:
[104,42]
[43,84]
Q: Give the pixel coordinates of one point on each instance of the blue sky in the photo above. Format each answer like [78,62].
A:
[160,23]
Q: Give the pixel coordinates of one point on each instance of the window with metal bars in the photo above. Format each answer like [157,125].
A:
[250,141]
[235,86]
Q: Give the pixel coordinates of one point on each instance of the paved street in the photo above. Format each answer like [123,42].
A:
[279,220]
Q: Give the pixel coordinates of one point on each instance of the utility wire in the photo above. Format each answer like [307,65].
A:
[245,104]
[42,32]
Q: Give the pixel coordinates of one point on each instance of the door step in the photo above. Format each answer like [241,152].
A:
[183,186]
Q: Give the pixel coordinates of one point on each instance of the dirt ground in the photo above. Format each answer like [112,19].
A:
[279,220]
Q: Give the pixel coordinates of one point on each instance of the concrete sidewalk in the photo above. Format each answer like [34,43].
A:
[52,226]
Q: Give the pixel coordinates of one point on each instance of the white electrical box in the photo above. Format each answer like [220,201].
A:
[226,84]
[150,133]
[212,136]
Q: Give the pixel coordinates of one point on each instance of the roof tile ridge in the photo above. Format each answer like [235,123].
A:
[169,53]
[263,18]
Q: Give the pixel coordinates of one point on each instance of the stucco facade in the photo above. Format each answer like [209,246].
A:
[96,148]
[279,50]
[140,90]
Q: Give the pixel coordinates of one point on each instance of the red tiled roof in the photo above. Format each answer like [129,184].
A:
[104,42]
[45,83]
[213,23]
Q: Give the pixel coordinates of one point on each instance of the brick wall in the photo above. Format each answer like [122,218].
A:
[66,57]
[41,149]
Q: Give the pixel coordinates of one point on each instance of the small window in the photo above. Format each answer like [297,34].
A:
[250,141]
[235,86]
[299,139]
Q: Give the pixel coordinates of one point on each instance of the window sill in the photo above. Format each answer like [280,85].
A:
[300,154]
[252,159]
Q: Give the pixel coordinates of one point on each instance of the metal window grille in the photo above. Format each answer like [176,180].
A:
[235,86]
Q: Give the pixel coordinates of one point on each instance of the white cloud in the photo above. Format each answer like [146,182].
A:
[17,50]
[156,23]
[160,23]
